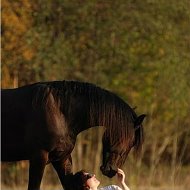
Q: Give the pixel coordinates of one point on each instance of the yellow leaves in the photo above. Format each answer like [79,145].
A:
[16,21]
[135,94]
[28,54]
[6,78]
[13,19]
[161,52]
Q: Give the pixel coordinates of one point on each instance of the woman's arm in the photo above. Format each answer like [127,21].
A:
[121,178]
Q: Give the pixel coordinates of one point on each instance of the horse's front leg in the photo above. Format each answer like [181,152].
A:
[64,169]
[37,165]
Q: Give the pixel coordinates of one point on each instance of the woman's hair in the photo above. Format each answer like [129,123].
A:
[77,181]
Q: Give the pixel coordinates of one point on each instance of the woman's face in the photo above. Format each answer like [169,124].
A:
[92,182]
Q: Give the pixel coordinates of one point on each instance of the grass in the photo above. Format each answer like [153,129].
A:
[132,188]
[161,180]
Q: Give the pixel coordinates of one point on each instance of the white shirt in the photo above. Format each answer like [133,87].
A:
[110,187]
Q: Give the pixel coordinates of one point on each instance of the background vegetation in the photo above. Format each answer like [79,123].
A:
[137,49]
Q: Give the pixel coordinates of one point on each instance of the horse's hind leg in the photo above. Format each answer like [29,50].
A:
[36,170]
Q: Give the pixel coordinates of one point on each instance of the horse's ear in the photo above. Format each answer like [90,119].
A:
[139,120]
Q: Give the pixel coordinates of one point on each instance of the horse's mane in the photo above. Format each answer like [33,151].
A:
[105,109]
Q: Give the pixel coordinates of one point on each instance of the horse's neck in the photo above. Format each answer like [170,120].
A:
[84,128]
[88,125]
[89,118]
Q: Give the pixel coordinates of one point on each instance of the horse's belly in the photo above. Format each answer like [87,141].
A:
[13,152]
[12,141]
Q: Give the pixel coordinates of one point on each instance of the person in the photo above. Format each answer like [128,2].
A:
[83,180]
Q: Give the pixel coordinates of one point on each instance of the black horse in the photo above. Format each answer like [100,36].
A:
[40,123]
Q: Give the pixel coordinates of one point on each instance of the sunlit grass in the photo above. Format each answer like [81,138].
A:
[132,188]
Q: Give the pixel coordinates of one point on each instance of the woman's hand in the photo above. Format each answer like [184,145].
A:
[121,175]
[121,179]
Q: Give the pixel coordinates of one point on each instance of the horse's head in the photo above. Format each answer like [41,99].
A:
[117,146]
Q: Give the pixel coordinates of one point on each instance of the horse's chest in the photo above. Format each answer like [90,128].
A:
[62,150]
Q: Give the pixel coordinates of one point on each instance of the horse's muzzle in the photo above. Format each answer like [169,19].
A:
[108,171]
